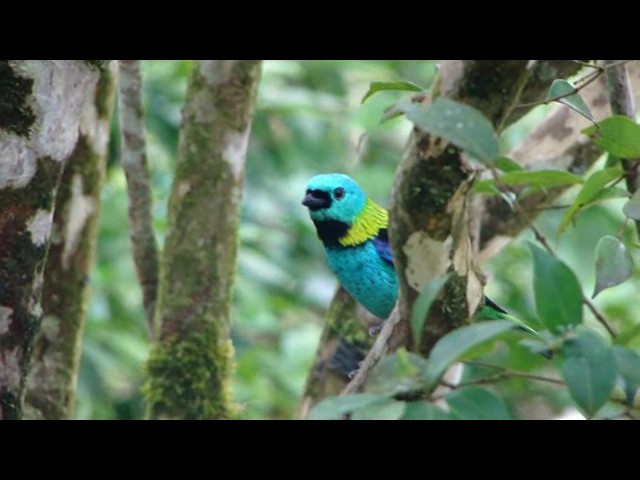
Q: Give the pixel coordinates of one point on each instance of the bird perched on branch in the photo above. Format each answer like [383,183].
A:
[353,229]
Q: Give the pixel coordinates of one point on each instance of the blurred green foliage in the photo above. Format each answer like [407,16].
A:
[308,120]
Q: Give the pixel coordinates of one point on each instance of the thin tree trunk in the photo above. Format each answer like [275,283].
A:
[40,106]
[190,362]
[51,382]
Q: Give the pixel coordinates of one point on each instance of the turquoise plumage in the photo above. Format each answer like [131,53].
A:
[353,229]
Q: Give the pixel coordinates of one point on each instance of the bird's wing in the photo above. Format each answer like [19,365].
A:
[381,242]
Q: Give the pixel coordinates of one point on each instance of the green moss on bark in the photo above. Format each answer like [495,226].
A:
[188,376]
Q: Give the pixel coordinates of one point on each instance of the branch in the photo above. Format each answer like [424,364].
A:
[556,143]
[136,169]
[621,100]
[542,74]
[381,346]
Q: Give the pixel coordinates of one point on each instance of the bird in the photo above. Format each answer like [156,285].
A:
[354,231]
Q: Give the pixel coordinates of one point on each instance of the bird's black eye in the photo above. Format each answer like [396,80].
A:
[338,193]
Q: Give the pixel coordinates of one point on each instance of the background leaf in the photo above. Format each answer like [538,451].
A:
[618,135]
[592,190]
[589,370]
[375,87]
[457,343]
[575,101]
[540,178]
[614,264]
[475,403]
[422,305]
[557,291]
[464,126]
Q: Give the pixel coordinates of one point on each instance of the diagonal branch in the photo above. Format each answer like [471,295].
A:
[621,100]
[136,169]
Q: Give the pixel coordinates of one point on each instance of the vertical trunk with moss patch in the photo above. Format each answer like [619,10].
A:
[190,362]
[428,222]
[40,108]
[55,359]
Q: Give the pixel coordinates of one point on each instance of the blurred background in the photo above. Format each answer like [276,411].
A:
[308,120]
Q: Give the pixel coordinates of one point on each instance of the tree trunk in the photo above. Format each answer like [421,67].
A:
[40,107]
[51,382]
[429,230]
[190,362]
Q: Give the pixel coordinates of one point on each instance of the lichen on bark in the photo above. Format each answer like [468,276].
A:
[198,265]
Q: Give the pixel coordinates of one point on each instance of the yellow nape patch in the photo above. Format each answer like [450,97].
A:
[372,218]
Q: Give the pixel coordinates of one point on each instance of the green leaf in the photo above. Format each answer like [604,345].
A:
[611,161]
[424,411]
[423,303]
[375,87]
[459,342]
[462,125]
[618,135]
[397,373]
[589,370]
[332,408]
[631,209]
[486,186]
[389,410]
[540,178]
[614,264]
[475,403]
[628,363]
[590,192]
[557,290]
[507,165]
[575,101]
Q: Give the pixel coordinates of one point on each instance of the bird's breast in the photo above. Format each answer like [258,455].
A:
[366,277]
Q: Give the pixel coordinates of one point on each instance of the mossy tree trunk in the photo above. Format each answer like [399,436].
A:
[190,362]
[51,382]
[40,109]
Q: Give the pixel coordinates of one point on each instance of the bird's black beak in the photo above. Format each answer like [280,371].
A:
[316,200]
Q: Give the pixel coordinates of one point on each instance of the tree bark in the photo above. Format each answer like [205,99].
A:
[40,109]
[190,362]
[344,343]
[51,381]
[136,169]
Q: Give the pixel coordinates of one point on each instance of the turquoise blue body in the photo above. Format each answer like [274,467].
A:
[368,278]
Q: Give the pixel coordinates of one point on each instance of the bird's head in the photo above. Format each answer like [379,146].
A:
[334,196]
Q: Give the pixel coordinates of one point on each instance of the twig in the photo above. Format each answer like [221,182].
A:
[378,349]
[621,100]
[584,81]
[136,169]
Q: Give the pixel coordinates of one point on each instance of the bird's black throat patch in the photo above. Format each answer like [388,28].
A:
[330,231]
